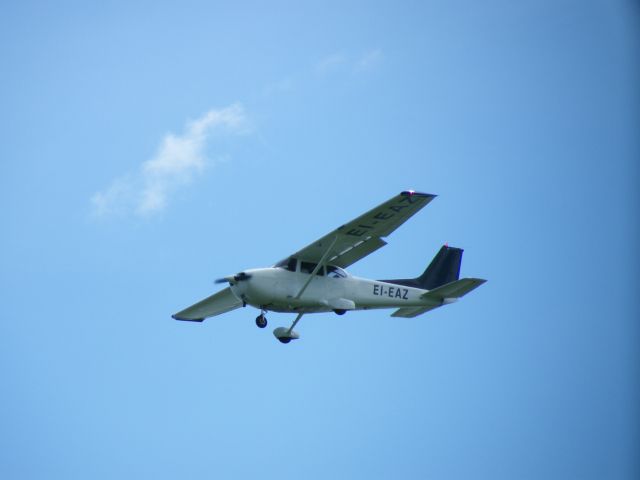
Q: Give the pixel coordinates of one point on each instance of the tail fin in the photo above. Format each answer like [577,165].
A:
[443,269]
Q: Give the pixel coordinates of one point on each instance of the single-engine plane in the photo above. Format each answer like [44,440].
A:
[314,279]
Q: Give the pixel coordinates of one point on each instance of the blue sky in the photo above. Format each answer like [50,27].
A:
[151,147]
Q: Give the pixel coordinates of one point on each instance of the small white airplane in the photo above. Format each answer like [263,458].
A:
[313,279]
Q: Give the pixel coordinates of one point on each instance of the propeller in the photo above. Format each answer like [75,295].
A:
[239,277]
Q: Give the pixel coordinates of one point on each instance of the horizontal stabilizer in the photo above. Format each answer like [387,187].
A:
[456,289]
[443,295]
[218,303]
[410,312]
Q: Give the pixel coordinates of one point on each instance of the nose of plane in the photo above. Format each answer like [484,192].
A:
[241,283]
[233,279]
[242,276]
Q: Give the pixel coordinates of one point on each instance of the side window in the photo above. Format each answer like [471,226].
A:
[308,267]
[335,272]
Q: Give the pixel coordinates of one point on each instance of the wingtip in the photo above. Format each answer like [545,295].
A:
[413,193]
[183,319]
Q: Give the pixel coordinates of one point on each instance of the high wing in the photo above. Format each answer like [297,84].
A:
[362,236]
[221,302]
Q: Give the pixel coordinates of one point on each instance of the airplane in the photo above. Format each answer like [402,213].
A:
[314,279]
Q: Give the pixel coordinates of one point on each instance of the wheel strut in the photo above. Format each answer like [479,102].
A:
[261,320]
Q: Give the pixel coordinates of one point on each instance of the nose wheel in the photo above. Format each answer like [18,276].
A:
[261,321]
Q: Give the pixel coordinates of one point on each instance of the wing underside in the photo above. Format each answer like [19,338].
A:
[362,236]
[218,303]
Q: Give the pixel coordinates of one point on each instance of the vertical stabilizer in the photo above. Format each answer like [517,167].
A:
[443,269]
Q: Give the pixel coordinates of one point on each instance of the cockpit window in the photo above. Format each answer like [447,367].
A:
[335,272]
[291,264]
[287,264]
[308,267]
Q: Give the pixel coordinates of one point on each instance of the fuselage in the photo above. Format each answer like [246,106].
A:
[277,289]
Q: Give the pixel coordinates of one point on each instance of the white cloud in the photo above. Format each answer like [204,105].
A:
[369,60]
[331,62]
[179,159]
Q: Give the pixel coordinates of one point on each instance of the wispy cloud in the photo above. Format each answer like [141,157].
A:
[179,159]
[331,62]
[340,61]
[369,60]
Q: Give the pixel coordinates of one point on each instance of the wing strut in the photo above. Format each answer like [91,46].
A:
[284,334]
[295,322]
[315,270]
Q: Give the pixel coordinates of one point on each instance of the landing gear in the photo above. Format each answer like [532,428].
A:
[261,321]
[340,311]
[284,334]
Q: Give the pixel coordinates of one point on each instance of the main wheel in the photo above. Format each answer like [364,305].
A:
[261,321]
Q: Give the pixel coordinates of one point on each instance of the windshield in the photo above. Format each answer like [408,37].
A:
[287,264]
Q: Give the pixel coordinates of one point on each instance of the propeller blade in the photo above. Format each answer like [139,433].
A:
[232,279]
